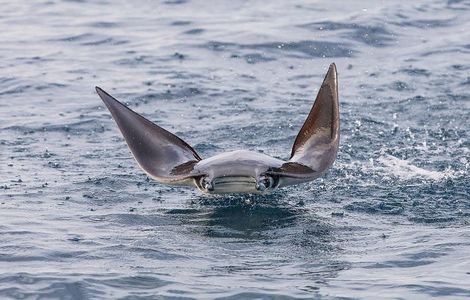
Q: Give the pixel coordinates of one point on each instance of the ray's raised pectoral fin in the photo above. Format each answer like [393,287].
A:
[316,145]
[161,154]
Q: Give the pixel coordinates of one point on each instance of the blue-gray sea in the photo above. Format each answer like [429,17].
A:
[80,220]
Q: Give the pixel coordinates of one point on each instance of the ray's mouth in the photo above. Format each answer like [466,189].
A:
[236,184]
[234,180]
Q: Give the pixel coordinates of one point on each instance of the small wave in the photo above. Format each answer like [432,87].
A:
[304,48]
[76,127]
[401,86]
[309,48]
[194,31]
[382,207]
[14,86]
[103,24]
[425,24]
[175,2]
[415,71]
[180,23]
[371,35]
[89,39]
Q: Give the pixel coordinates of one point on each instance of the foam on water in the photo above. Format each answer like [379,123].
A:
[405,170]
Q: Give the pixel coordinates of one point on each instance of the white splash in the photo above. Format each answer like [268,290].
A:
[405,170]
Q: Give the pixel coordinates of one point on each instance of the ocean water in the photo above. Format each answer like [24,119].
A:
[80,220]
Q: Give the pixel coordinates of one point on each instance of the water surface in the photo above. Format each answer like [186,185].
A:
[79,220]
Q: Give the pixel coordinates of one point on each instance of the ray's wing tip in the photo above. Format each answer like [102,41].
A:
[331,77]
[107,98]
[332,72]
[98,90]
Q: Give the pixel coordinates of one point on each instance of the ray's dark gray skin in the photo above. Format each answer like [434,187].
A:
[168,159]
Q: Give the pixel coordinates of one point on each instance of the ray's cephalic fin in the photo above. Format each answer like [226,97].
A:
[316,145]
[161,154]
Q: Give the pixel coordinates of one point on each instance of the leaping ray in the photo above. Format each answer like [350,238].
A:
[168,159]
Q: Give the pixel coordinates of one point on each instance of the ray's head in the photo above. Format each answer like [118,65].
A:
[237,171]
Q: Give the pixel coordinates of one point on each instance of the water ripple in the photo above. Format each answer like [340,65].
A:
[80,220]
